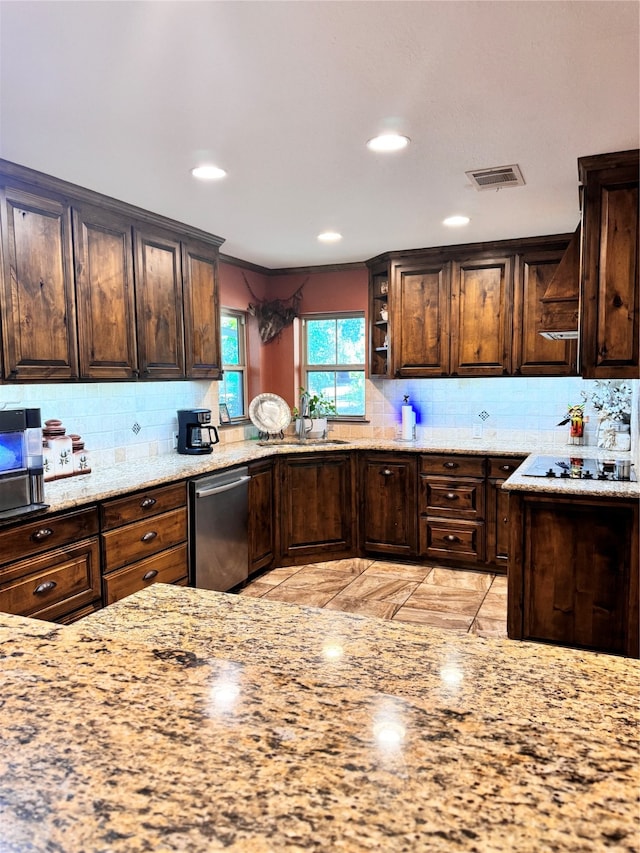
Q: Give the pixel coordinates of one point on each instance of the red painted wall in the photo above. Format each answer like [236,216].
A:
[274,366]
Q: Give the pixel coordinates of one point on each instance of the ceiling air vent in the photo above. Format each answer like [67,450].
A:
[496,178]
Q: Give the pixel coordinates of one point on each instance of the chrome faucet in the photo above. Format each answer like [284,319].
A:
[304,415]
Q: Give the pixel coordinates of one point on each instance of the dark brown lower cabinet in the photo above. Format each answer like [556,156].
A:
[499,469]
[573,573]
[316,502]
[388,501]
[261,516]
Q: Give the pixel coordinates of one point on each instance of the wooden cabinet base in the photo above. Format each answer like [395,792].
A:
[168,567]
[573,576]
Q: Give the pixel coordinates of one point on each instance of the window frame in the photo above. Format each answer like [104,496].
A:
[333,368]
[242,367]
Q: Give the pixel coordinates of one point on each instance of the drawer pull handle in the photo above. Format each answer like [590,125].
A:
[147,502]
[47,586]
[505,467]
[147,576]
[149,536]
[449,464]
[386,472]
[41,534]
[451,538]
[451,496]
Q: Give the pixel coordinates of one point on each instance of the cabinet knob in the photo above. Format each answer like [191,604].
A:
[451,538]
[505,467]
[43,533]
[449,464]
[47,586]
[147,502]
[147,576]
[386,472]
[149,536]
[451,496]
[505,520]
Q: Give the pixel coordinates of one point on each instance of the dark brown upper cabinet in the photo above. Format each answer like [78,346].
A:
[37,296]
[201,311]
[610,305]
[105,290]
[534,355]
[420,318]
[481,306]
[158,272]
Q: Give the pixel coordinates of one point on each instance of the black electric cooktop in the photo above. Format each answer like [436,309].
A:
[575,468]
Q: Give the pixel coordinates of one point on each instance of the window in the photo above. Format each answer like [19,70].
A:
[333,359]
[233,388]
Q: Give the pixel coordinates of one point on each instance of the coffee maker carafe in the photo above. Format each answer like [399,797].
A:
[195,433]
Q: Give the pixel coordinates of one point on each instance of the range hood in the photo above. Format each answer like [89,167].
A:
[559,320]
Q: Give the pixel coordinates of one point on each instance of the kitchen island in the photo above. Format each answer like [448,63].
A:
[182,719]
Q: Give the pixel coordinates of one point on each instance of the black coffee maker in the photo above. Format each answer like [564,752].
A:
[195,433]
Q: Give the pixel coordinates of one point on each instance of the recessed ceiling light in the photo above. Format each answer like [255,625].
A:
[329,237]
[456,221]
[208,173]
[388,142]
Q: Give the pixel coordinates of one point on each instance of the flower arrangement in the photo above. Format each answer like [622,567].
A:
[612,400]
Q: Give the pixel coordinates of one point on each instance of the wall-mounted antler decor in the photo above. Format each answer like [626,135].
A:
[275,315]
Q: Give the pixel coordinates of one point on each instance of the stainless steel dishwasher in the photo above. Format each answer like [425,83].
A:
[219,514]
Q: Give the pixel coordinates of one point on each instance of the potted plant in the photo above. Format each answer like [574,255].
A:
[319,408]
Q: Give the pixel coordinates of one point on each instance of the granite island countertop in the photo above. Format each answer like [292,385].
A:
[181,719]
[129,477]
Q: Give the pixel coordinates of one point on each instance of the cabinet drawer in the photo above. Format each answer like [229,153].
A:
[460,540]
[458,466]
[142,505]
[143,539]
[501,467]
[451,497]
[167,567]
[53,584]
[47,533]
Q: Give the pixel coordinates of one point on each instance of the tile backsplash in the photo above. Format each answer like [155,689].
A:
[134,421]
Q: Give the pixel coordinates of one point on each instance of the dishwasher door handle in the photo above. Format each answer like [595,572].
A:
[215,490]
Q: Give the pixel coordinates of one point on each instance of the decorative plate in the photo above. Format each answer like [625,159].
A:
[269,413]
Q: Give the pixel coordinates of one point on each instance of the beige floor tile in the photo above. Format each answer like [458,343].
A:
[459,578]
[494,607]
[292,595]
[256,589]
[445,599]
[380,588]
[276,576]
[399,570]
[484,627]
[454,621]
[499,586]
[365,607]
[314,577]
[355,566]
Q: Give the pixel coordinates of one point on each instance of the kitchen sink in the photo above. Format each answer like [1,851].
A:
[307,442]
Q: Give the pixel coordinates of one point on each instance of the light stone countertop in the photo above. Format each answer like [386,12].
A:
[120,479]
[189,720]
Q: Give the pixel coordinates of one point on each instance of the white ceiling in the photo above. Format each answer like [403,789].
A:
[125,97]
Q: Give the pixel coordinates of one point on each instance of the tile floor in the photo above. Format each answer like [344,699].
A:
[458,599]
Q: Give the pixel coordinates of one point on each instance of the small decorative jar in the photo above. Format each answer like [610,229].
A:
[61,448]
[623,437]
[48,462]
[81,462]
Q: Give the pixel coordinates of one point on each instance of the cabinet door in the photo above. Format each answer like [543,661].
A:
[420,318]
[574,573]
[317,509]
[38,304]
[534,355]
[104,286]
[498,512]
[201,311]
[481,310]
[159,306]
[261,517]
[389,510]
[610,320]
